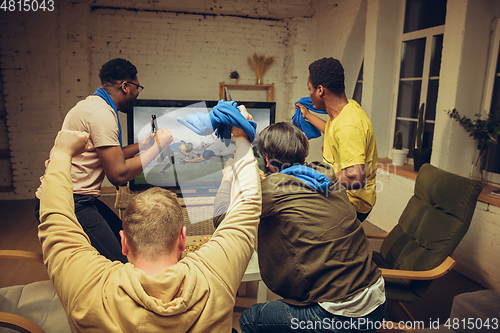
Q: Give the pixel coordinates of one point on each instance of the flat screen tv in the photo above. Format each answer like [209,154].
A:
[187,172]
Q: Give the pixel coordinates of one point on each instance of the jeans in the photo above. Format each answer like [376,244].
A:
[279,317]
[100,223]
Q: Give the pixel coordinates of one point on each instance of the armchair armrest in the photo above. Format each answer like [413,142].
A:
[19,323]
[14,321]
[380,235]
[431,274]
[17,254]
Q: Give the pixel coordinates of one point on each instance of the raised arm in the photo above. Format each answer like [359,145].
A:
[232,244]
[72,263]
[223,196]
[119,169]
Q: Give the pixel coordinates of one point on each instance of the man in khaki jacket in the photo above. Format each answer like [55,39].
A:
[155,291]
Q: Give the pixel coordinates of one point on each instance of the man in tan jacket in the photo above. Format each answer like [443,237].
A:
[155,291]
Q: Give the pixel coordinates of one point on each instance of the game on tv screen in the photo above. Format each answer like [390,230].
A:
[193,164]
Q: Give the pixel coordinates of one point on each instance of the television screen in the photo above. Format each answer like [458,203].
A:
[193,164]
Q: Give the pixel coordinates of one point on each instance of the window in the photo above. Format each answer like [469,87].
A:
[424,14]
[358,89]
[492,103]
[421,48]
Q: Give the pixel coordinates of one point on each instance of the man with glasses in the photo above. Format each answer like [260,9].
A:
[97,115]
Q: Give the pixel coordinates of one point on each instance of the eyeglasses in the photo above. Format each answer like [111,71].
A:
[139,87]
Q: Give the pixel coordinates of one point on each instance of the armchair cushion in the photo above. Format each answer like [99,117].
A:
[37,302]
[433,223]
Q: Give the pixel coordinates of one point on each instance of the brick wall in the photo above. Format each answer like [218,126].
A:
[50,61]
[31,90]
[182,56]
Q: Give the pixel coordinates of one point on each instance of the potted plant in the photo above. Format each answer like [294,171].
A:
[485,133]
[420,155]
[398,153]
[234,76]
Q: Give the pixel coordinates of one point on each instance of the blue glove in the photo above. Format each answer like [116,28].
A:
[221,119]
[199,123]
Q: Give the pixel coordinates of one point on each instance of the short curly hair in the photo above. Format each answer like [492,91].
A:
[117,70]
[329,73]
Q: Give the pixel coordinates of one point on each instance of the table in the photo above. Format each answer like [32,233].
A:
[252,273]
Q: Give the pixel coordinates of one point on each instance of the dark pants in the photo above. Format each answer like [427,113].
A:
[100,223]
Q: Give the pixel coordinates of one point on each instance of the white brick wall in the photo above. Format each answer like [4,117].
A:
[51,61]
[31,89]
[182,56]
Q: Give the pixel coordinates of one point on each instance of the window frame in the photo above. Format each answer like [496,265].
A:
[489,85]
[428,34]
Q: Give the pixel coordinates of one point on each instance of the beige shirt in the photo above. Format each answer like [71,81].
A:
[94,116]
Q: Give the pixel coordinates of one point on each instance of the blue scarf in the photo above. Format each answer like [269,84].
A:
[298,120]
[105,96]
[221,119]
[309,176]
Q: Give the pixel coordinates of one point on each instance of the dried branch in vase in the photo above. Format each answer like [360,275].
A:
[260,63]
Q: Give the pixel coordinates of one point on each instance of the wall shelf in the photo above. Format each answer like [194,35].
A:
[269,88]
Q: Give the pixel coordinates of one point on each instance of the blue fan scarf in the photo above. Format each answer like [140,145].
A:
[105,96]
[221,119]
[298,120]
[311,177]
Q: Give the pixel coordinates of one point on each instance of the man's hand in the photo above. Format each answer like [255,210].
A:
[165,137]
[238,132]
[314,120]
[69,144]
[305,111]
[147,142]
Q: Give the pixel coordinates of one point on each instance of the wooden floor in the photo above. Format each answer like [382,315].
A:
[18,230]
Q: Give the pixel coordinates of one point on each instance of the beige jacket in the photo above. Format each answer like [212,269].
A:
[195,295]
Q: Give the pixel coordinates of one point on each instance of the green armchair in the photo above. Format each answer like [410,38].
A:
[435,220]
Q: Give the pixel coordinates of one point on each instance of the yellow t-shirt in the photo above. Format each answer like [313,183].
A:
[350,140]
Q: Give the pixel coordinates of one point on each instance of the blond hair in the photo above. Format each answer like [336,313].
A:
[152,222]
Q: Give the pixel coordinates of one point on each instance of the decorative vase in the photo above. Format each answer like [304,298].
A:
[399,156]
[258,79]
[420,157]
[478,166]
[234,81]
